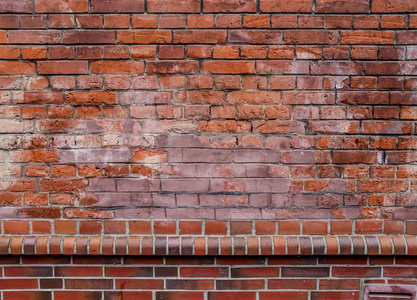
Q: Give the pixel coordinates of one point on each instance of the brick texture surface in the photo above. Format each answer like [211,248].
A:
[179,149]
[266,277]
[206,109]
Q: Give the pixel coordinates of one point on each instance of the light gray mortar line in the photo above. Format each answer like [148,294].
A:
[88,245]
[233,246]
[379,245]
[113,245]
[365,246]
[406,245]
[74,246]
[351,245]
[325,244]
[392,245]
[338,245]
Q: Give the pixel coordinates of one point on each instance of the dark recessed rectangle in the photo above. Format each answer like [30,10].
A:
[390,292]
[390,296]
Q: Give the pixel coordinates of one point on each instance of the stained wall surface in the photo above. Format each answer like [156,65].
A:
[209,109]
[207,149]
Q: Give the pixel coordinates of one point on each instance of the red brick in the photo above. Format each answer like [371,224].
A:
[186,6]
[16,227]
[77,295]
[171,52]
[200,21]
[32,53]
[297,6]
[165,227]
[216,227]
[119,67]
[9,21]
[230,6]
[62,67]
[328,295]
[365,22]
[90,97]
[225,52]
[204,272]
[288,227]
[144,21]
[367,37]
[283,294]
[315,227]
[390,6]
[293,284]
[243,284]
[332,6]
[60,6]
[180,295]
[18,68]
[255,36]
[171,67]
[172,21]
[265,227]
[311,37]
[10,295]
[240,227]
[228,20]
[112,6]
[356,271]
[9,6]
[370,186]
[190,227]
[199,36]
[231,295]
[9,52]
[90,21]
[61,21]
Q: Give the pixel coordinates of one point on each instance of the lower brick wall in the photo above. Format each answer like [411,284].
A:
[199,278]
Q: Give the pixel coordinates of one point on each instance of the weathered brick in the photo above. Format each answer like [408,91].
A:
[199,36]
[60,6]
[185,6]
[367,37]
[118,67]
[90,97]
[254,37]
[390,6]
[298,6]
[62,67]
[332,6]
[89,37]
[111,6]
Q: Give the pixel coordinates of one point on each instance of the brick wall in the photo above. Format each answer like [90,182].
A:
[208,109]
[208,127]
[199,278]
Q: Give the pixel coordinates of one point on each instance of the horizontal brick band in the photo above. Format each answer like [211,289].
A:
[219,227]
[213,246]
